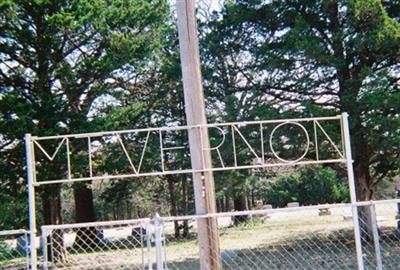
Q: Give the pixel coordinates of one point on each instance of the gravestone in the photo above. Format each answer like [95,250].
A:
[293,204]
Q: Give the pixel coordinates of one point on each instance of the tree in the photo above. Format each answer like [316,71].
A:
[231,97]
[312,56]
[58,59]
[309,186]
[162,105]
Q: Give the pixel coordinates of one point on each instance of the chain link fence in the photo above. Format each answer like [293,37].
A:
[311,237]
[14,253]
[388,224]
[380,235]
[314,237]
[290,238]
[100,246]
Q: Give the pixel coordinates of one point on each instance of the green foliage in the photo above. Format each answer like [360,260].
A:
[313,58]
[131,199]
[13,210]
[309,186]
[64,63]
[88,65]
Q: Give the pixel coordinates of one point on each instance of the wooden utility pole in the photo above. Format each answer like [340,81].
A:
[199,143]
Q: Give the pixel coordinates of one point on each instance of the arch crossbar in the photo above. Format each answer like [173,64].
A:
[259,147]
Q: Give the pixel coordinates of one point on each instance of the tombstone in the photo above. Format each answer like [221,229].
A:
[9,245]
[138,233]
[260,206]
[293,204]
[228,255]
[267,206]
[69,239]
[259,203]
[347,217]
[324,212]
[22,243]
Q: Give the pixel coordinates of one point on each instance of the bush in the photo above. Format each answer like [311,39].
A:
[309,186]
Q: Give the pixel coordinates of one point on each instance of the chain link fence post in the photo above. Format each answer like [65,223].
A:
[45,247]
[376,237]
[27,250]
[149,234]
[30,167]
[158,227]
[352,187]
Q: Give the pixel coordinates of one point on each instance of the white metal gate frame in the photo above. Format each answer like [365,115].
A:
[145,223]
[346,158]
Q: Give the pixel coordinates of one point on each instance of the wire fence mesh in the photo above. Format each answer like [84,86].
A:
[301,239]
[380,233]
[14,250]
[102,246]
[315,237]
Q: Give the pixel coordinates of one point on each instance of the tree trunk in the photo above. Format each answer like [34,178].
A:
[364,193]
[51,204]
[185,208]
[222,204]
[172,196]
[83,193]
[363,180]
[250,199]
[88,238]
[227,204]
[84,208]
[128,208]
[253,198]
[362,176]
[219,205]
[51,209]
[240,204]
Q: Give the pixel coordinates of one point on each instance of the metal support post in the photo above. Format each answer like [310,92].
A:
[375,233]
[142,228]
[26,248]
[31,197]
[149,233]
[47,244]
[158,227]
[352,187]
[45,259]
